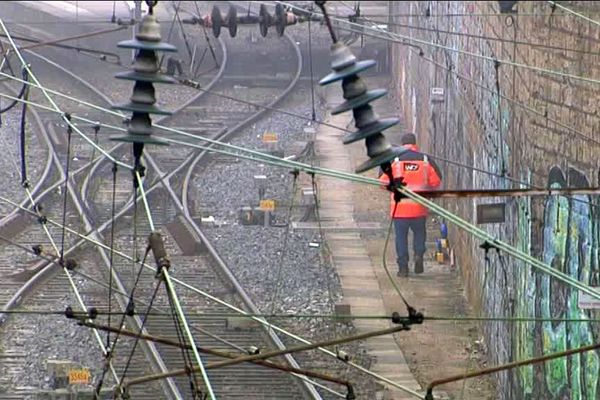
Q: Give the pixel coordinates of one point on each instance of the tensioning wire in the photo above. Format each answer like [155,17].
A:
[232,307]
[98,124]
[569,11]
[491,38]
[399,38]
[226,145]
[266,158]
[48,97]
[340,317]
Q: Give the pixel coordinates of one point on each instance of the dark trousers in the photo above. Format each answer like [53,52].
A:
[402,225]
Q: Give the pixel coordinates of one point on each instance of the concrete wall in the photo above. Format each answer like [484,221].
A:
[474,127]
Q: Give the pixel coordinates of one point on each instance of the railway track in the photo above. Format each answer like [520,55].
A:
[91,199]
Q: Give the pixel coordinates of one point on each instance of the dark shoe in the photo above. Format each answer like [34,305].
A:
[419,265]
[402,272]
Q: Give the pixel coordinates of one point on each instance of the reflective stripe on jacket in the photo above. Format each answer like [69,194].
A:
[418,173]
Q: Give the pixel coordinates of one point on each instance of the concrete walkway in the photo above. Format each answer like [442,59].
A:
[358,276]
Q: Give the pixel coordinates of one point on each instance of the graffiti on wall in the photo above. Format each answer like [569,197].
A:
[570,244]
[562,232]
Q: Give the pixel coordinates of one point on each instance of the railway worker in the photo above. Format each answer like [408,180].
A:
[418,173]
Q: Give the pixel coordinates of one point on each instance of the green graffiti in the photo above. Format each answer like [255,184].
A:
[570,244]
[580,265]
[526,293]
[554,335]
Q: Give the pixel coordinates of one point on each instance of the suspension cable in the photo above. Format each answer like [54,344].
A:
[112,247]
[569,11]
[462,223]
[399,38]
[185,351]
[130,311]
[482,37]
[67,170]
[330,263]
[140,331]
[46,93]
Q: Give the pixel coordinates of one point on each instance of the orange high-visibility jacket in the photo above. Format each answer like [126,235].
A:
[419,173]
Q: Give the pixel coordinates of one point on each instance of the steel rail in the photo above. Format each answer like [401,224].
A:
[237,127]
[218,353]
[49,98]
[182,205]
[53,157]
[151,352]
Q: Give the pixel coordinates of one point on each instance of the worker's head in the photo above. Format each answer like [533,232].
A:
[408,138]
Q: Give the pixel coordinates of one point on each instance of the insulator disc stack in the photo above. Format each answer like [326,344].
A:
[346,68]
[145,72]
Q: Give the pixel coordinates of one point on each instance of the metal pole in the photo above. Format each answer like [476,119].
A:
[514,364]
[171,292]
[218,353]
[305,347]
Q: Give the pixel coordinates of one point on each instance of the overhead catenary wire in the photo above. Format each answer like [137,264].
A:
[229,145]
[341,317]
[449,69]
[41,218]
[460,15]
[323,123]
[396,37]
[470,228]
[51,258]
[206,37]
[48,97]
[569,11]
[359,179]
[261,321]
[140,331]
[483,37]
[172,294]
